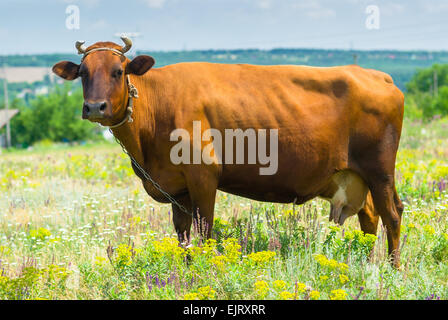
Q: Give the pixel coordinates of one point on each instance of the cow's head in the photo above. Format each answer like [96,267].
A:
[103,70]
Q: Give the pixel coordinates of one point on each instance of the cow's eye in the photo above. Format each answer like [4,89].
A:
[117,73]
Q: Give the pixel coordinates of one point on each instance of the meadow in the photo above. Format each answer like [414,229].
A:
[75,223]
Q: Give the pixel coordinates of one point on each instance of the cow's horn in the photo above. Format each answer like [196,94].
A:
[81,47]
[128,44]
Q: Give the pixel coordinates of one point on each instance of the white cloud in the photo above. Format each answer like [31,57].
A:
[432,7]
[392,8]
[155,3]
[100,25]
[314,9]
[264,4]
[88,3]
[321,13]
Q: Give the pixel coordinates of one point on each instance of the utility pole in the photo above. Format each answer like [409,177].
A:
[5,92]
[354,54]
[355,58]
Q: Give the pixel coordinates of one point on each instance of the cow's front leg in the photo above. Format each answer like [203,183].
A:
[182,220]
[202,188]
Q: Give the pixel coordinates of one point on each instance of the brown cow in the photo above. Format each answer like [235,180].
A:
[338,131]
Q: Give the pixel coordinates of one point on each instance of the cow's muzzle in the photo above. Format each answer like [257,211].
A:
[94,111]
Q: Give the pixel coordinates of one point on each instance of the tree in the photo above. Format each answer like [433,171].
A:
[56,117]
[423,80]
[422,98]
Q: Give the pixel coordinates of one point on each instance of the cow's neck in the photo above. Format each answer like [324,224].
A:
[130,133]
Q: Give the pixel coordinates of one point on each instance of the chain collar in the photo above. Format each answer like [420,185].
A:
[147,177]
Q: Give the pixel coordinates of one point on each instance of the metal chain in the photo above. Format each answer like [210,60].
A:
[148,177]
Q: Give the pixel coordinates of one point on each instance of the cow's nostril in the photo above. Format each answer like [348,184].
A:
[103,106]
[86,108]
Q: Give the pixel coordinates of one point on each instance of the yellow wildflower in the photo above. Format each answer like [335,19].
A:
[100,261]
[429,229]
[206,293]
[338,294]
[170,247]
[209,247]
[343,279]
[3,280]
[286,295]
[135,220]
[342,267]
[335,229]
[4,250]
[191,296]
[124,255]
[232,249]
[300,287]
[54,273]
[261,288]
[262,257]
[330,264]
[122,286]
[40,233]
[321,259]
[279,285]
[219,261]
[314,295]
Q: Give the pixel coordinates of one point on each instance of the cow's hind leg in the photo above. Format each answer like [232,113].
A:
[376,163]
[383,198]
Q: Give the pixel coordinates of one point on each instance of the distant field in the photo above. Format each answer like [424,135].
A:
[27,74]
[75,223]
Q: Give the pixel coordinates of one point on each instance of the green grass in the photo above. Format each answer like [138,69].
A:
[75,223]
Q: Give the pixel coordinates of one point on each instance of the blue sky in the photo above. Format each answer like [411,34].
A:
[30,26]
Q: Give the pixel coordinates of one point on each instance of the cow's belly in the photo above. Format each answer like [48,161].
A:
[290,184]
[266,195]
[345,190]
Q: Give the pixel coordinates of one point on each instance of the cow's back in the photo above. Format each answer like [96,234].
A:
[317,112]
[271,96]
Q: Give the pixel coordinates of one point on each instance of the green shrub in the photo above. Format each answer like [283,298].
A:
[55,117]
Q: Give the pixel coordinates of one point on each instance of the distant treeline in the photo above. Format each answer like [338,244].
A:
[401,65]
[427,93]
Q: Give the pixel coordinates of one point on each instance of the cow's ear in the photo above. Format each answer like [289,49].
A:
[140,65]
[67,70]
